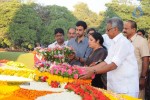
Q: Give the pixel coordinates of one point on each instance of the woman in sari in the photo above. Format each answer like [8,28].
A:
[98,54]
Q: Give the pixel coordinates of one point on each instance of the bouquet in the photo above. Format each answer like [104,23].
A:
[57,54]
[66,70]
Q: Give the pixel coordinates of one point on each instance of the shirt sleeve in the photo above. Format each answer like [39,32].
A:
[144,49]
[120,54]
[87,53]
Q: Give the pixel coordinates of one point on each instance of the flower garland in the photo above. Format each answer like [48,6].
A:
[55,80]
[57,54]
[87,92]
[113,96]
[16,64]
[23,72]
[25,94]
[67,70]
[64,69]
[4,61]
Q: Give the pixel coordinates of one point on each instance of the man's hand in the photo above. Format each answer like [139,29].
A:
[142,83]
[88,73]
[71,56]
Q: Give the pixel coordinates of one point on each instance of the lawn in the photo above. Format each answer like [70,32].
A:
[26,58]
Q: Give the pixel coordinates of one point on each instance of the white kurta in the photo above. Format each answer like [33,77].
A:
[123,79]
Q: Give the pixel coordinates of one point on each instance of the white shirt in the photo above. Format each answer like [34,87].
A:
[107,41]
[123,79]
[53,45]
[67,42]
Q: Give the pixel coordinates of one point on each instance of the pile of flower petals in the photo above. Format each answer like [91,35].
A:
[87,92]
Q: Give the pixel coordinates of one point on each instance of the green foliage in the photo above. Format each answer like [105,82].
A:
[55,17]
[7,11]
[22,25]
[124,11]
[82,12]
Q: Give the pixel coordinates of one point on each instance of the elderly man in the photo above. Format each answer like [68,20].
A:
[120,64]
[71,33]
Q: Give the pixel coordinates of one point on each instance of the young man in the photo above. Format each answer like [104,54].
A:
[141,51]
[59,37]
[120,64]
[80,45]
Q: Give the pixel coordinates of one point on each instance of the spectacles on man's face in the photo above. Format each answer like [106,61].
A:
[109,29]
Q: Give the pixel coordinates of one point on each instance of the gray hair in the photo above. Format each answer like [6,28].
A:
[116,22]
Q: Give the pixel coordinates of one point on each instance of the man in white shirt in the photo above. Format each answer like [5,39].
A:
[59,37]
[120,64]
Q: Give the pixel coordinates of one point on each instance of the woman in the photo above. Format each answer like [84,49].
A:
[98,54]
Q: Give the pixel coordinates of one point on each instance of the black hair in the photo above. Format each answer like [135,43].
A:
[81,23]
[91,29]
[59,30]
[133,24]
[97,36]
[142,31]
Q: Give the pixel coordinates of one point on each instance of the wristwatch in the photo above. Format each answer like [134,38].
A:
[95,71]
[143,77]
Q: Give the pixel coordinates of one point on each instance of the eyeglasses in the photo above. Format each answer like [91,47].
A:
[109,29]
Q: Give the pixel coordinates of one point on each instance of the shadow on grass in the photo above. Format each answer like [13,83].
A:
[10,55]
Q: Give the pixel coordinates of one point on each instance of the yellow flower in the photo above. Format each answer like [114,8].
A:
[5,89]
[36,77]
[129,97]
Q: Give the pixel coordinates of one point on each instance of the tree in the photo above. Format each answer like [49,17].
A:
[54,17]
[24,24]
[24,27]
[82,12]
[7,10]
[125,10]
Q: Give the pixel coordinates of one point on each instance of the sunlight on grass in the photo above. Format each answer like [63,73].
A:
[25,58]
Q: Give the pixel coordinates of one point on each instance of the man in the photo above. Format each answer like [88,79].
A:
[71,33]
[59,37]
[120,64]
[80,45]
[141,33]
[141,50]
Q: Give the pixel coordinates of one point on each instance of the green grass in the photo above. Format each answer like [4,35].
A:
[26,58]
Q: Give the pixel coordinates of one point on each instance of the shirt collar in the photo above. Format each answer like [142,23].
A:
[133,37]
[116,38]
[76,39]
[56,43]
